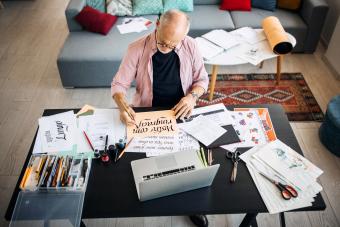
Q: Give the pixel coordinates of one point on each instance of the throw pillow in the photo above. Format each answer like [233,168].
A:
[95,21]
[264,4]
[119,7]
[183,5]
[242,5]
[142,7]
[97,4]
[289,4]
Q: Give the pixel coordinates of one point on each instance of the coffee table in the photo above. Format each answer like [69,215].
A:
[111,190]
[230,58]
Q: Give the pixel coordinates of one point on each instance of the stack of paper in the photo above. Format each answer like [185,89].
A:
[208,49]
[278,160]
[250,128]
[133,24]
[221,38]
[249,35]
[159,145]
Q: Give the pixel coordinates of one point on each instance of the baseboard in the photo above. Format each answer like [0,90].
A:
[331,68]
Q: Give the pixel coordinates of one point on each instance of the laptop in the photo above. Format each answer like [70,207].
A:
[170,174]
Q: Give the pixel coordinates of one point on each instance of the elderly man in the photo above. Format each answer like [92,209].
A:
[169,72]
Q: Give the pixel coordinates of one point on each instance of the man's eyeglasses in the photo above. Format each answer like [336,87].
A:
[164,45]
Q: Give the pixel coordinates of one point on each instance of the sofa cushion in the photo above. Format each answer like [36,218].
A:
[207,2]
[97,4]
[264,4]
[244,5]
[95,21]
[202,21]
[291,22]
[183,5]
[144,7]
[289,4]
[119,7]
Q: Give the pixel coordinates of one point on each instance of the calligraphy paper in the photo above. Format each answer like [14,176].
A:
[156,123]
[58,132]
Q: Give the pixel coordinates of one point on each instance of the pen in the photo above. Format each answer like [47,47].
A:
[106,141]
[123,151]
[88,140]
[27,173]
[128,112]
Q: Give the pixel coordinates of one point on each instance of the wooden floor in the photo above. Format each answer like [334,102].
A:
[31,34]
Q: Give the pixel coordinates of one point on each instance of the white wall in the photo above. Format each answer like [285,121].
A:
[332,54]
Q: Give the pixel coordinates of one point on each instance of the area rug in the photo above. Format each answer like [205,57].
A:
[293,94]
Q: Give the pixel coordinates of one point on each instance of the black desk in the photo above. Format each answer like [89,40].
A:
[111,190]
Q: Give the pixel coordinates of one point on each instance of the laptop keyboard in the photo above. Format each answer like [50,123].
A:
[168,173]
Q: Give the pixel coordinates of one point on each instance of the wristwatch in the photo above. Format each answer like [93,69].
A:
[195,95]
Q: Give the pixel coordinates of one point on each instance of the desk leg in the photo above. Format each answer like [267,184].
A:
[213,82]
[261,65]
[278,68]
[249,220]
[282,219]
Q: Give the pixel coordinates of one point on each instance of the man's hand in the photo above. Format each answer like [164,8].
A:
[125,116]
[185,106]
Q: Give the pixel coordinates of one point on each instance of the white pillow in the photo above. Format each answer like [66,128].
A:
[119,7]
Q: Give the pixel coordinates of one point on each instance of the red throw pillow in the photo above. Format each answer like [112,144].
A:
[95,21]
[242,5]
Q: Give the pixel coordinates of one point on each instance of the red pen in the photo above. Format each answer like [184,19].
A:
[88,140]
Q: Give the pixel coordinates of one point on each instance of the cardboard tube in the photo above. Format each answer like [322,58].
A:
[276,35]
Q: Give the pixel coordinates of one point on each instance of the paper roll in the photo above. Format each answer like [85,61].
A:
[276,35]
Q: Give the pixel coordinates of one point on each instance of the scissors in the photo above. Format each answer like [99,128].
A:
[287,191]
[234,157]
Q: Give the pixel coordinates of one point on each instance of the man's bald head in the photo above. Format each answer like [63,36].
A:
[172,27]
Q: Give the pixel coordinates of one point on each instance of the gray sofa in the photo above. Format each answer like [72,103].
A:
[91,60]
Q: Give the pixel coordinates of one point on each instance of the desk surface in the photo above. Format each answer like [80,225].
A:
[111,190]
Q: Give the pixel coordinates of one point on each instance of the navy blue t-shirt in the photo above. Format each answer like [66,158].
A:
[167,86]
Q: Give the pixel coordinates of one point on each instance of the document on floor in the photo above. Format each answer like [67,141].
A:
[159,145]
[207,48]
[203,129]
[58,132]
[307,189]
[221,38]
[154,123]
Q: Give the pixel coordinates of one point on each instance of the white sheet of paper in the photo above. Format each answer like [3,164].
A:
[217,113]
[159,145]
[256,53]
[203,129]
[58,132]
[103,122]
[249,35]
[131,27]
[270,194]
[207,48]
[289,163]
[37,149]
[221,38]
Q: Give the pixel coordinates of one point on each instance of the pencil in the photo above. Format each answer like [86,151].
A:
[24,179]
[123,151]
[88,141]
[203,157]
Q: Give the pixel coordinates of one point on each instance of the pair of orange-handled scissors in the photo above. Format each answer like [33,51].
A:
[287,191]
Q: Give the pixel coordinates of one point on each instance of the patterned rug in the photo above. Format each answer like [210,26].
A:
[293,94]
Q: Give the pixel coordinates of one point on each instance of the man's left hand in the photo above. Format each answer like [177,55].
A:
[184,107]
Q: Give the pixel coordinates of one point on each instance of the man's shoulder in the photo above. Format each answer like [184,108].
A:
[139,43]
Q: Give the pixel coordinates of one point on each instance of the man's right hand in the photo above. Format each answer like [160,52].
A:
[127,115]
